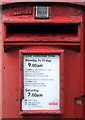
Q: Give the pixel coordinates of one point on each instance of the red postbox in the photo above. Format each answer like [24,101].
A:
[42,58]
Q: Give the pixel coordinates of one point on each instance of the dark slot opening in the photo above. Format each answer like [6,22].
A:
[43,29]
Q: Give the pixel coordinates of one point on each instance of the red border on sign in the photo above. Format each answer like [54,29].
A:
[42,50]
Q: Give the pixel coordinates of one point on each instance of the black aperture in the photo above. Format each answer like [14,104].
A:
[42,29]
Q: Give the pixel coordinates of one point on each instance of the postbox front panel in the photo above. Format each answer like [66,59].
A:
[41,60]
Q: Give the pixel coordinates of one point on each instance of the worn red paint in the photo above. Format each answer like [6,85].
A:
[73,60]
